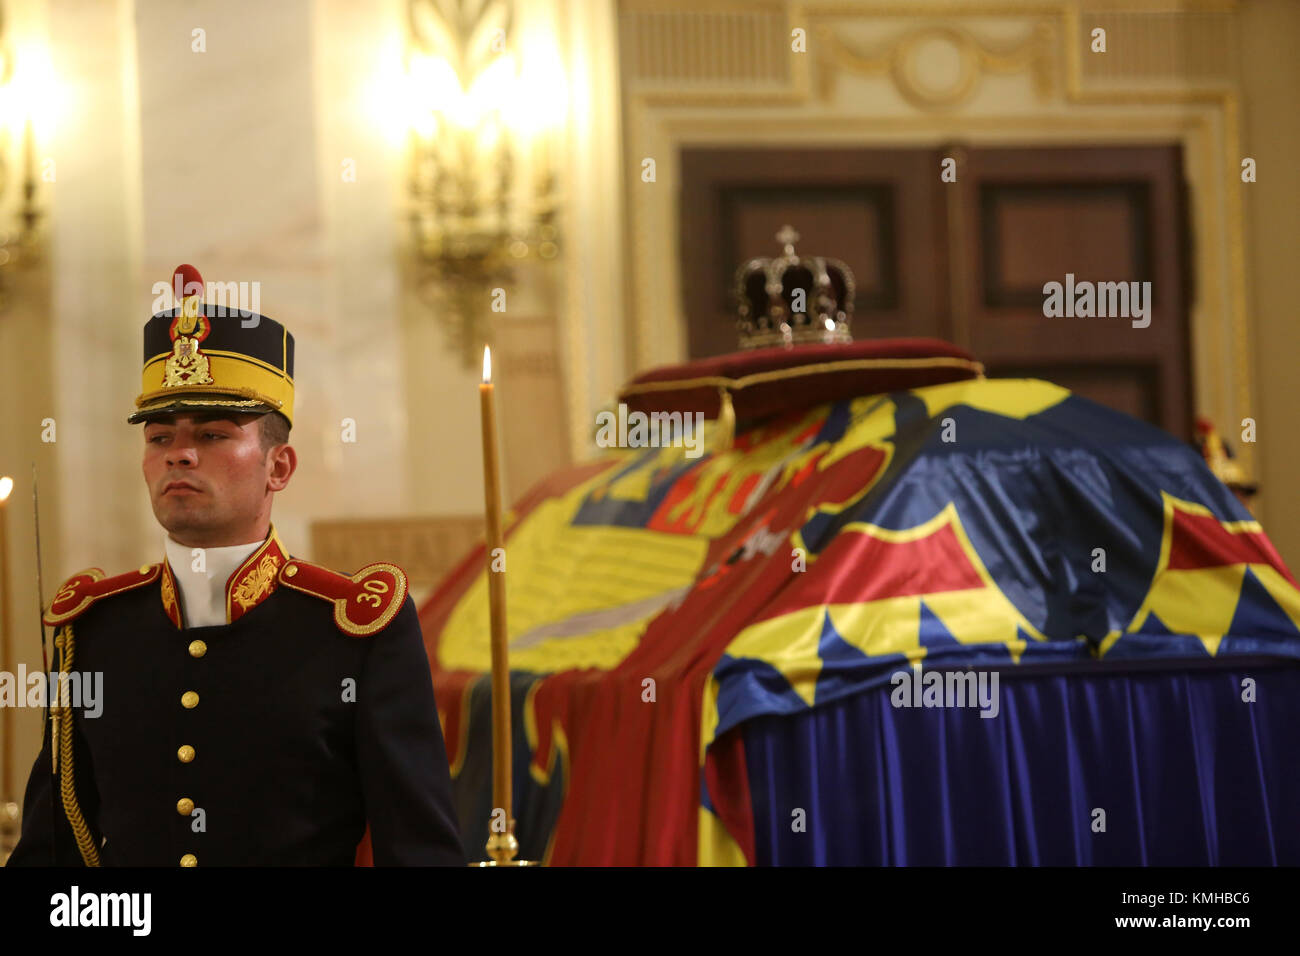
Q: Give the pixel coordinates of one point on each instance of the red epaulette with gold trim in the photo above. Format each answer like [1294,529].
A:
[363,604]
[86,587]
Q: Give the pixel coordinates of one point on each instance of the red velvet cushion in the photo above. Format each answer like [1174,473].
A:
[856,368]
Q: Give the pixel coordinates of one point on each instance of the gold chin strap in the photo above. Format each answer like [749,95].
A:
[67,780]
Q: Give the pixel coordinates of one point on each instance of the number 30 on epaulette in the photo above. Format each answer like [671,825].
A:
[363,604]
[379,590]
[373,589]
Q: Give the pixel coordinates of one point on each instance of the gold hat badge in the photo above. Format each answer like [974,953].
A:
[187,365]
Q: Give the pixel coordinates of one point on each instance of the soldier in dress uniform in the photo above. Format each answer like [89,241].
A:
[255,709]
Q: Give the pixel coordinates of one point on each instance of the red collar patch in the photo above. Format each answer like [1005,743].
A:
[171,606]
[255,580]
[249,585]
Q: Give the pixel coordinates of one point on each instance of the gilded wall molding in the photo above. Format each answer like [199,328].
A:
[899,58]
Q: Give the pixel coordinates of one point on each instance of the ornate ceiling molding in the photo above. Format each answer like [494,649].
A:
[902,60]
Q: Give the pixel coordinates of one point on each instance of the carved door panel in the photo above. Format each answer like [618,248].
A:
[1073,216]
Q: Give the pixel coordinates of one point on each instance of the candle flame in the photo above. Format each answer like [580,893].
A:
[6,486]
[487,365]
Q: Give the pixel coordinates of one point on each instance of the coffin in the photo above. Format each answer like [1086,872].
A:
[912,615]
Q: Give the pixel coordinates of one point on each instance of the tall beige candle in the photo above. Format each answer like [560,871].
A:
[6,644]
[501,768]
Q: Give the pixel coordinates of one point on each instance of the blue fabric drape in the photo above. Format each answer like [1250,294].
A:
[1186,772]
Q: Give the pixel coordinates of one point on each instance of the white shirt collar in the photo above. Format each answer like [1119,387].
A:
[203,593]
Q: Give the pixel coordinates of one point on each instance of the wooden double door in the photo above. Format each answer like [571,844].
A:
[967,261]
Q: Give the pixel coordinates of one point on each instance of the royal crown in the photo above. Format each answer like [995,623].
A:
[793,299]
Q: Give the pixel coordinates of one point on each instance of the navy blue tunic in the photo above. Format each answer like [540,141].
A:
[301,735]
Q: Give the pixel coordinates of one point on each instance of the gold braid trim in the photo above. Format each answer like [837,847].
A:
[67,781]
[800,371]
[197,391]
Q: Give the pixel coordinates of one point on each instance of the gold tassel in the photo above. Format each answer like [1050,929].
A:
[725,428]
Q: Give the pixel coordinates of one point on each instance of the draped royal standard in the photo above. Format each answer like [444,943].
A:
[657,603]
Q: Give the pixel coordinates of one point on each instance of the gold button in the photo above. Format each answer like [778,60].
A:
[189,859]
[144,569]
[189,700]
[290,570]
[185,806]
[185,754]
[198,648]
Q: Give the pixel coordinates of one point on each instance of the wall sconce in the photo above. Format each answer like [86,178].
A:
[28,94]
[486,98]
